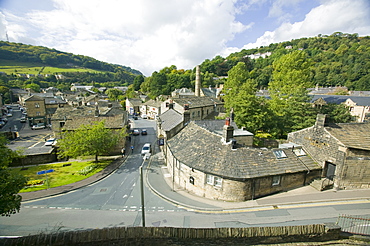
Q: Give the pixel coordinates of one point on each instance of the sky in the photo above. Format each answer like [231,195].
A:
[148,35]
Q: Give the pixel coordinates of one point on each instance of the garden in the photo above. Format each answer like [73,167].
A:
[46,176]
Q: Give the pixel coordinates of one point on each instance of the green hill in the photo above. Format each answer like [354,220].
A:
[31,59]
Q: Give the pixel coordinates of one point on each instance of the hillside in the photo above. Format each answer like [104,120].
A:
[38,55]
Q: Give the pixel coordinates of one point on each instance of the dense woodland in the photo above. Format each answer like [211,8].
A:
[335,60]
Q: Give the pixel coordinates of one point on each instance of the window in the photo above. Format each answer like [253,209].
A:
[276,180]
[38,113]
[37,105]
[198,113]
[218,181]
[299,152]
[214,180]
[279,153]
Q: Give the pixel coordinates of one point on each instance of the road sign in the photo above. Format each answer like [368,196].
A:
[45,171]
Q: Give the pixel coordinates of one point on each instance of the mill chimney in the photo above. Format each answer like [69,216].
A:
[197,81]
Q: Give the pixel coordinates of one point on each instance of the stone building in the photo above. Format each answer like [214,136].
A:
[212,164]
[70,118]
[200,108]
[342,150]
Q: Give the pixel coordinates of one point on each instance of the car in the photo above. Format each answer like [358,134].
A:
[38,126]
[136,132]
[2,123]
[146,149]
[50,142]
[144,132]
[23,119]
[9,114]
[144,116]
[136,118]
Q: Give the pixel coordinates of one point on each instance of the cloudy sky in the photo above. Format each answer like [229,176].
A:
[149,35]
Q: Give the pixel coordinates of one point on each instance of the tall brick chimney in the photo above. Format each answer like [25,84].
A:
[197,81]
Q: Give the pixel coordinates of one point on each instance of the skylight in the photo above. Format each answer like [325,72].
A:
[279,153]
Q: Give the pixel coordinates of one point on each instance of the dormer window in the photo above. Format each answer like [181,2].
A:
[279,153]
[299,152]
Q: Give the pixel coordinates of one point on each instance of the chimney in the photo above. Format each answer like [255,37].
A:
[96,111]
[197,81]
[320,120]
[228,130]
[186,118]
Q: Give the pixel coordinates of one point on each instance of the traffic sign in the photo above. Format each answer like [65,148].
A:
[45,171]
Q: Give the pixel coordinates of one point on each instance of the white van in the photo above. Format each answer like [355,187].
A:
[145,149]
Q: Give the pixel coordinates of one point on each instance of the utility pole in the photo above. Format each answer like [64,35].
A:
[142,192]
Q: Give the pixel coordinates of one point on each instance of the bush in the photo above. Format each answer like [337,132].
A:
[86,170]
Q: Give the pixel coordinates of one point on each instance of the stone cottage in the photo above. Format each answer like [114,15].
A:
[212,164]
[342,150]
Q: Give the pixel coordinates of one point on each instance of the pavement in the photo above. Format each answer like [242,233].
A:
[159,181]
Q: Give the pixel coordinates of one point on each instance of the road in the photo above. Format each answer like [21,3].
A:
[115,201]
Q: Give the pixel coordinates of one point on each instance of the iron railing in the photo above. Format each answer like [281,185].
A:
[354,224]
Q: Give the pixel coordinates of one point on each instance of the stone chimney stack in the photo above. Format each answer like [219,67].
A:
[197,81]
[320,120]
[186,118]
[228,130]
[96,110]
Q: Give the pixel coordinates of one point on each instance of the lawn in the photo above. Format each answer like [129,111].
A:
[16,67]
[64,173]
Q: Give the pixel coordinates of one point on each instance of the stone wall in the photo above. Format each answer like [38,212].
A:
[356,172]
[177,236]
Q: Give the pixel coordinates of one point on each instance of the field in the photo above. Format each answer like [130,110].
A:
[64,173]
[16,67]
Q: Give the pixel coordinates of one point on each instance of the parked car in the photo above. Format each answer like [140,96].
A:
[135,117]
[146,149]
[2,123]
[9,114]
[144,116]
[144,132]
[136,132]
[50,142]
[23,119]
[38,126]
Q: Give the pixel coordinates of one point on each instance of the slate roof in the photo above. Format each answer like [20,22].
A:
[111,122]
[352,135]
[135,101]
[217,126]
[204,150]
[338,99]
[70,112]
[170,119]
[195,102]
[153,103]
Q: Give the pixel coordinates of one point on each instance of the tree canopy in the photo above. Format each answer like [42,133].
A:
[94,139]
[10,183]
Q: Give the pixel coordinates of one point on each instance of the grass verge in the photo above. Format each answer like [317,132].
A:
[64,173]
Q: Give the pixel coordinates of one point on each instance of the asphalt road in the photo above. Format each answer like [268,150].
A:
[116,201]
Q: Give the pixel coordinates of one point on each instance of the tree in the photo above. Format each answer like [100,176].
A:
[94,139]
[138,81]
[114,94]
[241,97]
[10,183]
[289,95]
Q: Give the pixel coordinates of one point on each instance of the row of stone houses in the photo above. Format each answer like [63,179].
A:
[218,161]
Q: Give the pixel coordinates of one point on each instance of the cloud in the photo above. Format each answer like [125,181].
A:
[2,27]
[345,16]
[144,34]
